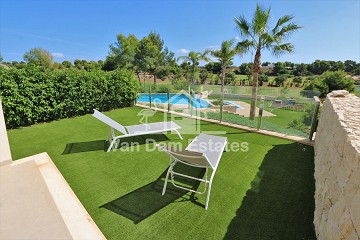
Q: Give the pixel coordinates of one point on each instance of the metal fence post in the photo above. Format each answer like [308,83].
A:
[150,96]
[168,98]
[261,108]
[314,118]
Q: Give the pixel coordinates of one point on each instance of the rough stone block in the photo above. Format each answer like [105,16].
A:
[337,169]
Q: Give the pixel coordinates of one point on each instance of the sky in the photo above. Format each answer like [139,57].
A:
[80,29]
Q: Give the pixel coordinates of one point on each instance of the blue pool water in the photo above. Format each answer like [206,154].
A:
[233,104]
[174,99]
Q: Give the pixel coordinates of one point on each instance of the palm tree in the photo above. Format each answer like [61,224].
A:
[225,55]
[258,37]
[194,59]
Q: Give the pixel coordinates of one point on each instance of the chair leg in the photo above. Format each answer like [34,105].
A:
[167,176]
[116,144]
[111,145]
[209,189]
[178,134]
[111,137]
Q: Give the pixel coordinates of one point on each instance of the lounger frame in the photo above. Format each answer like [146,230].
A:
[208,182]
[115,140]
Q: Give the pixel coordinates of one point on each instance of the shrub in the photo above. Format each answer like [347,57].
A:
[204,75]
[217,80]
[263,78]
[329,81]
[297,80]
[230,77]
[164,88]
[181,85]
[298,125]
[280,80]
[34,94]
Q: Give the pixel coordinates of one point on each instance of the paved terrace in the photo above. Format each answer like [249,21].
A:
[35,200]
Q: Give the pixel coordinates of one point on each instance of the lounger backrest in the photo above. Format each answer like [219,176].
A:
[211,146]
[185,156]
[105,119]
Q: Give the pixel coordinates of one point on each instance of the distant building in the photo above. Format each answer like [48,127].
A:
[4,66]
[268,67]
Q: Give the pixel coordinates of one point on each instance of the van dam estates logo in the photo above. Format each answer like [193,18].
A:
[151,146]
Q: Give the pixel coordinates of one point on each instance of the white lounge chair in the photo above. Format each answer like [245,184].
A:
[134,130]
[204,151]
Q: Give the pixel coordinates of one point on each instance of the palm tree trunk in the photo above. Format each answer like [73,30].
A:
[192,84]
[255,84]
[154,81]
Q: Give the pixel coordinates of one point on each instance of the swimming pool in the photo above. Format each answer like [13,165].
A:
[233,104]
[174,99]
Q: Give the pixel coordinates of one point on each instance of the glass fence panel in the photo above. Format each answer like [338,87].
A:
[282,110]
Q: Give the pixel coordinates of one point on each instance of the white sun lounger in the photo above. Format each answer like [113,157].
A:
[134,130]
[204,151]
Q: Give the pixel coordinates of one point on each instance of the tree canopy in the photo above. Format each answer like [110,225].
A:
[225,55]
[147,55]
[122,52]
[193,60]
[329,81]
[39,56]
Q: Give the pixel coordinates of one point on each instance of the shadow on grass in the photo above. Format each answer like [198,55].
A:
[147,200]
[85,147]
[280,203]
[102,145]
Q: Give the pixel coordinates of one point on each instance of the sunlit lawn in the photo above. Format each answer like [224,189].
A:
[264,193]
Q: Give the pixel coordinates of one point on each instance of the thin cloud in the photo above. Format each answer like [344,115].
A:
[58,55]
[237,38]
[183,51]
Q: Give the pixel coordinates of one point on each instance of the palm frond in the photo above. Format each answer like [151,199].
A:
[202,56]
[184,58]
[227,52]
[284,19]
[267,40]
[260,20]
[246,45]
[287,30]
[279,50]
[242,26]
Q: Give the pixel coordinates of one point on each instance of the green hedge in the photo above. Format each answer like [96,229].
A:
[34,94]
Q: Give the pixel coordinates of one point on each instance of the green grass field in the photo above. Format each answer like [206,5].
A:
[269,91]
[266,192]
[266,91]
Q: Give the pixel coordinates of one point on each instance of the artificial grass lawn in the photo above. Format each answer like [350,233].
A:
[264,193]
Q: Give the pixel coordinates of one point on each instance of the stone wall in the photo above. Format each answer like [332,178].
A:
[337,169]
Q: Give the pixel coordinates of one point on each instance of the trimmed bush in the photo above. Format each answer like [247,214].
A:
[329,81]
[34,94]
